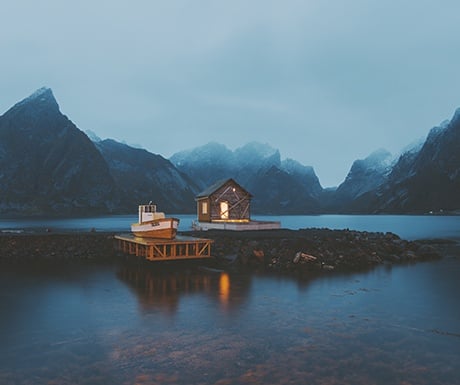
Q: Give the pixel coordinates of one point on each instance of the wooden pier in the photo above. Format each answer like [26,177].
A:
[154,249]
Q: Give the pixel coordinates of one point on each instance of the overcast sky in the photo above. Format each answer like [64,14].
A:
[325,82]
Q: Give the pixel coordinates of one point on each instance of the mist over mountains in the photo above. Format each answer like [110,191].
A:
[48,166]
[277,186]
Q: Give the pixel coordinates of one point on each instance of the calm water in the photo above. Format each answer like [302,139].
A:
[125,324]
[408,227]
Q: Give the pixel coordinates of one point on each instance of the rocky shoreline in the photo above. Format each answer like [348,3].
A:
[318,249]
[43,247]
[277,250]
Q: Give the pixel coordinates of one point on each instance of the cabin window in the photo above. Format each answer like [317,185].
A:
[204,208]
[223,210]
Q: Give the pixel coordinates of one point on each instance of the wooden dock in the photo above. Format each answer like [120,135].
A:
[236,225]
[154,249]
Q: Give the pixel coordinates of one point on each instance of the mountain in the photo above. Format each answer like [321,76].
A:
[305,174]
[254,159]
[214,161]
[365,175]
[47,165]
[50,167]
[143,176]
[276,191]
[277,186]
[205,164]
[427,180]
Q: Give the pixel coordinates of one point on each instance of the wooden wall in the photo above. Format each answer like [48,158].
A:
[238,201]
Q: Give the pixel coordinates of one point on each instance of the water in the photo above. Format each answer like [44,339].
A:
[407,227]
[122,324]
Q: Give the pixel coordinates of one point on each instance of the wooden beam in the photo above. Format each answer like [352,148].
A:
[160,249]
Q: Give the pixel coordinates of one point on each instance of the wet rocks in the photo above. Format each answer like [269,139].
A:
[316,249]
[305,250]
[19,248]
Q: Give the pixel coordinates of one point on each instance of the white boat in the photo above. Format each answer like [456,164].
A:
[154,224]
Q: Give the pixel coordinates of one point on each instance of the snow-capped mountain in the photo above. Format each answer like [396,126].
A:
[365,175]
[427,180]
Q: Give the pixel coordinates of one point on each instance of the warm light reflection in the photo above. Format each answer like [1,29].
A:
[224,288]
[231,220]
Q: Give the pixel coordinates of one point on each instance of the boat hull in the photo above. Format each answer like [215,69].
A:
[165,228]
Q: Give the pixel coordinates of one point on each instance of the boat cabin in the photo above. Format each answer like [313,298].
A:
[224,201]
[149,213]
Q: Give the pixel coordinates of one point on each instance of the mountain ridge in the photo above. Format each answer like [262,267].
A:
[48,166]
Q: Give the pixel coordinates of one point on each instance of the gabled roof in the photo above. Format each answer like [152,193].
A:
[216,186]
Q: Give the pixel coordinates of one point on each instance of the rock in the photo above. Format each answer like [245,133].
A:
[428,252]
[259,254]
[303,257]
[280,250]
[409,255]
[53,246]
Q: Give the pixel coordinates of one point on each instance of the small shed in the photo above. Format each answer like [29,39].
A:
[224,201]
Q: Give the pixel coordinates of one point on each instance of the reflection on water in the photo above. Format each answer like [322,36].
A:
[162,290]
[159,289]
[224,288]
[130,324]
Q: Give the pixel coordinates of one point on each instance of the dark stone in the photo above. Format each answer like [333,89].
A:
[306,250]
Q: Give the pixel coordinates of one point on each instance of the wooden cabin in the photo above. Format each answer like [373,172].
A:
[224,201]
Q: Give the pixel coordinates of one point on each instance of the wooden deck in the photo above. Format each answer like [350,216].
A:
[153,249]
[236,226]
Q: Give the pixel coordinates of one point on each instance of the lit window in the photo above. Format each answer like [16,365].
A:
[204,207]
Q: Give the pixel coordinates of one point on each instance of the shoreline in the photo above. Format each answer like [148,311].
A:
[279,250]
[319,249]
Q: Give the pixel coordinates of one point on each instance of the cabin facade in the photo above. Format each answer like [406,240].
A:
[225,201]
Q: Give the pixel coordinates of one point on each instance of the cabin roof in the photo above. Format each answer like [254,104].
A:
[216,186]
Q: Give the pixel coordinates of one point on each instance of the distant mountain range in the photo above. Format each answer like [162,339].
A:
[277,186]
[50,167]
